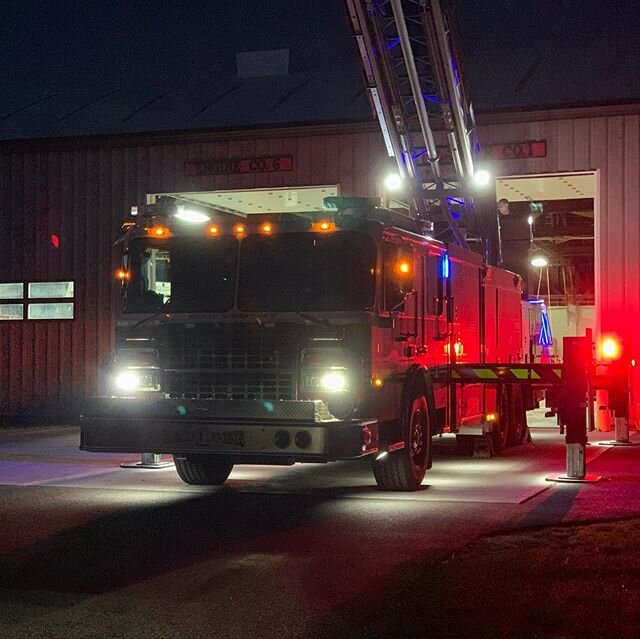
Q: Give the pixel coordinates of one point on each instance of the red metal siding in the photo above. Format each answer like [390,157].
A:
[80,192]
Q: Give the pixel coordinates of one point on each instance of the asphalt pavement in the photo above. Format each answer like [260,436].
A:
[88,549]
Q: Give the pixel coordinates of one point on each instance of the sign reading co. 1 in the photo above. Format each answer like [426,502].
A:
[230,166]
[517,150]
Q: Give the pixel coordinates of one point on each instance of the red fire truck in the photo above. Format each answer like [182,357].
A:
[303,338]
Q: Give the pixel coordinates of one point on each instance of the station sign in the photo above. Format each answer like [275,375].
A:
[508,151]
[235,166]
[517,150]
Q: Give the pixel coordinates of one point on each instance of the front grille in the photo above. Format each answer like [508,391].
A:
[240,362]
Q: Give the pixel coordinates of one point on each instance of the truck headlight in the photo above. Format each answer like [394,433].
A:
[334,381]
[127,380]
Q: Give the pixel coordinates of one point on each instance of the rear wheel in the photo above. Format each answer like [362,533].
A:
[500,432]
[404,469]
[203,470]
[518,425]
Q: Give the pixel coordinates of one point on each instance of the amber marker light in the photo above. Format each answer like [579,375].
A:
[376,382]
[158,231]
[213,230]
[491,417]
[239,229]
[123,275]
[267,228]
[324,226]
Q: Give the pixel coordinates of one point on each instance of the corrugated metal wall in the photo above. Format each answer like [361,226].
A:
[80,193]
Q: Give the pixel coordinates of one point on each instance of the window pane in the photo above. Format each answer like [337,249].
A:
[50,311]
[51,289]
[11,312]
[11,291]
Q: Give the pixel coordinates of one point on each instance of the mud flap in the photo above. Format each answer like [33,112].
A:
[483,446]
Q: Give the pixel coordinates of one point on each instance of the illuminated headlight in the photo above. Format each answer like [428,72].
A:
[334,381]
[127,381]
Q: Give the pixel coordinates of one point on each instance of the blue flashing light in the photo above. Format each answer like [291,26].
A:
[444,267]
[431,98]
[393,43]
[419,154]
[545,338]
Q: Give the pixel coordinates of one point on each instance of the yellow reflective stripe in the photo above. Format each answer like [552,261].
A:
[455,374]
[485,373]
[525,373]
[558,372]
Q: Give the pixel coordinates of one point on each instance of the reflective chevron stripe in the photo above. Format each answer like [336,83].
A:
[541,374]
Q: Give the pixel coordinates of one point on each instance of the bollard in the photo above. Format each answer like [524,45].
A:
[149,461]
[573,410]
[618,381]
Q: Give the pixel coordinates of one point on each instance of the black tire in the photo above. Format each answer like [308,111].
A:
[500,433]
[404,469]
[518,424]
[203,470]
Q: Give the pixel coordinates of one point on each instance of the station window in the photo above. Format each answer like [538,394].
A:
[58,305]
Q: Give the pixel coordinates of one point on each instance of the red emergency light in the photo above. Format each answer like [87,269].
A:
[610,348]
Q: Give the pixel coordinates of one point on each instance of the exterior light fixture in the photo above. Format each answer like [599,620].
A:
[393,182]
[481,177]
[539,261]
[530,220]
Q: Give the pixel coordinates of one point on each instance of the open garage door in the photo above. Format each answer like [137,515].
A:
[255,201]
[547,229]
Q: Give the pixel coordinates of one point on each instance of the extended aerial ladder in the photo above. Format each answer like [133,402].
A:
[414,84]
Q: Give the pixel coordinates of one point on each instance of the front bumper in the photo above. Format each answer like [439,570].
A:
[250,431]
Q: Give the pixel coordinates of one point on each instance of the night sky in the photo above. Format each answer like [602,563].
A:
[101,67]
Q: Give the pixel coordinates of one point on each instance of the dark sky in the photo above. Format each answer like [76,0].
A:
[79,67]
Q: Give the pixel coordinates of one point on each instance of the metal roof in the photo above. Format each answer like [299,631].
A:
[116,68]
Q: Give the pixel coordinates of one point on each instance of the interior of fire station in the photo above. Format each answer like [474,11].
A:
[546,225]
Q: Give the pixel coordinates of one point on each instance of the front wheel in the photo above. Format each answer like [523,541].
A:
[404,469]
[203,470]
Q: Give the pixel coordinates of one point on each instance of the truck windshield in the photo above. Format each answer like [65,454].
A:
[182,274]
[307,272]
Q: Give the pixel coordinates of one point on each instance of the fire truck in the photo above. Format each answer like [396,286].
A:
[336,334]
[303,338]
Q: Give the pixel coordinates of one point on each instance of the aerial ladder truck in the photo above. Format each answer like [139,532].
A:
[350,332]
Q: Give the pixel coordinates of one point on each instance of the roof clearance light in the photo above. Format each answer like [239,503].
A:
[188,215]
[266,228]
[323,226]
[158,231]
[240,229]
[214,230]
[610,348]
[393,182]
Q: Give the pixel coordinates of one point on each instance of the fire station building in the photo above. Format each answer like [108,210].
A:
[71,169]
